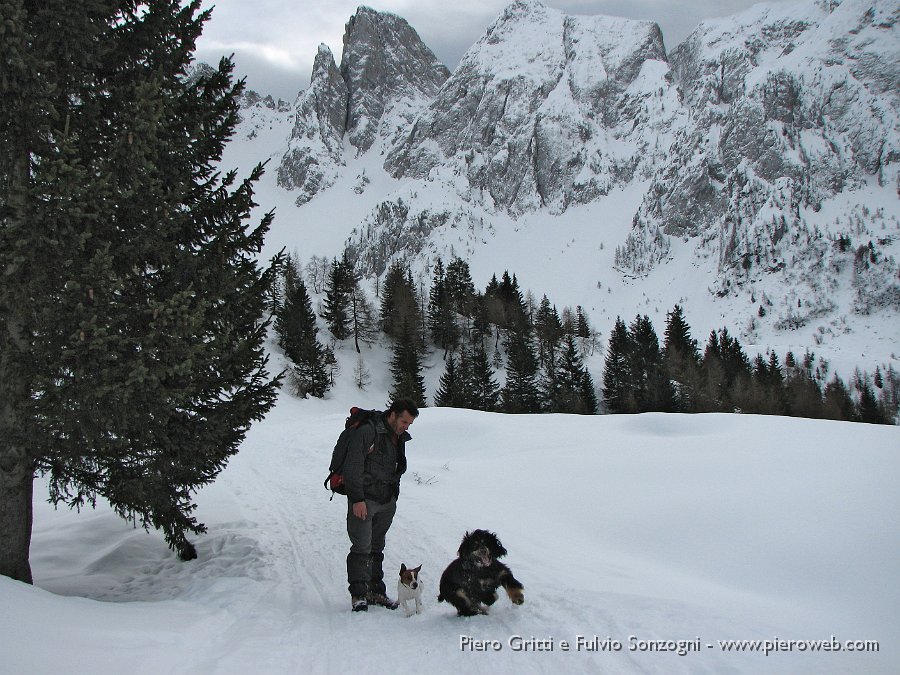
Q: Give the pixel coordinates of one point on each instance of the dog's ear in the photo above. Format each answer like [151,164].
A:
[416,570]
[499,550]
[465,545]
[402,568]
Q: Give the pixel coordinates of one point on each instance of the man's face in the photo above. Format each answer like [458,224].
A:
[399,422]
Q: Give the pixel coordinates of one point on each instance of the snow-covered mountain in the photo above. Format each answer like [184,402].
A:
[750,174]
[791,106]
[547,110]
[387,75]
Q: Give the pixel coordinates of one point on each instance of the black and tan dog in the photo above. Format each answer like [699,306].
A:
[471,581]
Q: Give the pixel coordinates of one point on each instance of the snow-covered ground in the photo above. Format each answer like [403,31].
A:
[631,534]
[634,535]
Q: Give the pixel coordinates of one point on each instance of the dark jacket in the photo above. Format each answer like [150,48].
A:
[376,459]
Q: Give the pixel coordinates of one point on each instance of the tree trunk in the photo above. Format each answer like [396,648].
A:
[16,466]
[16,513]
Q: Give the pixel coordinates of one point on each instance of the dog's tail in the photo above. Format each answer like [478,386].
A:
[441,598]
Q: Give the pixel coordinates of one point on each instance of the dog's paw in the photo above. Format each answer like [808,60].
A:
[517,596]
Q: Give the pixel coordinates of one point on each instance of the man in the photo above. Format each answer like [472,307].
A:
[376,458]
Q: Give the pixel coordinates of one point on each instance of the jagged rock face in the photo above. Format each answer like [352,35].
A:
[754,123]
[315,151]
[791,104]
[386,74]
[547,109]
[385,65]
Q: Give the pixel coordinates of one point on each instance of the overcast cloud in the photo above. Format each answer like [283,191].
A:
[274,41]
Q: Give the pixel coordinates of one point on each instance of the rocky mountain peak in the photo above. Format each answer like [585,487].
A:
[758,163]
[316,148]
[386,72]
[532,110]
[384,60]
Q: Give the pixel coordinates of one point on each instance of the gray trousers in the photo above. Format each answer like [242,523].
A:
[364,562]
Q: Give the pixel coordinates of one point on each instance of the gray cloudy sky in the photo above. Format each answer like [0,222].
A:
[275,41]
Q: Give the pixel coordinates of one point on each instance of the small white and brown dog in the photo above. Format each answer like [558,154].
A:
[409,588]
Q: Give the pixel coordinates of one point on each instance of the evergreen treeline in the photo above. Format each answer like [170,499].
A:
[639,376]
[539,353]
[544,362]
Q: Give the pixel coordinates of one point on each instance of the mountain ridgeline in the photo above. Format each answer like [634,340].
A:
[764,149]
[735,134]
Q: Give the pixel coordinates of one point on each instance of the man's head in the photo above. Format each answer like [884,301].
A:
[401,414]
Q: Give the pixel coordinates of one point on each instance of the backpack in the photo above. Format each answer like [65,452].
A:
[335,479]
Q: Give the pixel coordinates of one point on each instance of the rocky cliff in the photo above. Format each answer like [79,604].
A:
[547,110]
[789,106]
[386,76]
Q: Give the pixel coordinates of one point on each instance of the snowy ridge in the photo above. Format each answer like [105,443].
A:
[739,177]
[794,142]
[316,150]
[532,114]
[780,92]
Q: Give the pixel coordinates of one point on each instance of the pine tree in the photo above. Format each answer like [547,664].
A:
[399,303]
[452,390]
[681,359]
[441,318]
[775,385]
[790,362]
[837,404]
[548,330]
[589,403]
[583,331]
[332,365]
[295,324]
[406,366]
[288,312]
[758,398]
[802,393]
[574,387]
[506,303]
[617,380]
[341,282]
[460,289]
[869,410]
[650,386]
[726,373]
[363,321]
[481,325]
[889,398]
[484,390]
[132,304]
[521,393]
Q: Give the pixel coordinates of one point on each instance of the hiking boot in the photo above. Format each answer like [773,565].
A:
[381,600]
[359,604]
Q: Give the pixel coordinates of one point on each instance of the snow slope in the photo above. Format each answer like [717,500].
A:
[662,527]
